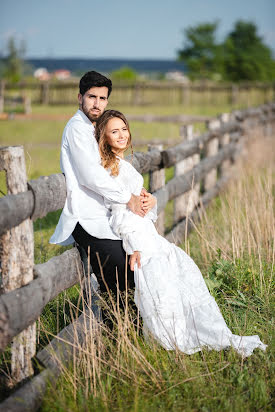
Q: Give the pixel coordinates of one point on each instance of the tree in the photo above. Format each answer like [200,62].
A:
[125,73]
[13,63]
[246,57]
[201,51]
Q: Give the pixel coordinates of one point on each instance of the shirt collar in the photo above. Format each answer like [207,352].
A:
[85,118]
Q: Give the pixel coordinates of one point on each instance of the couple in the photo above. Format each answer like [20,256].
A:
[108,211]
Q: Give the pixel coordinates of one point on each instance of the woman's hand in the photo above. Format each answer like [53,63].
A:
[148,201]
[134,258]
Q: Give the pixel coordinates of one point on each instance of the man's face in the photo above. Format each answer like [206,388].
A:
[93,102]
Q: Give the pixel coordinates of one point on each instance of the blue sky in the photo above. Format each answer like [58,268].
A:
[122,28]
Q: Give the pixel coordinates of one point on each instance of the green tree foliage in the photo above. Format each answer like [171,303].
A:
[13,63]
[200,51]
[246,57]
[242,55]
[125,73]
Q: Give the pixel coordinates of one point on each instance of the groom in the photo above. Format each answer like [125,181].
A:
[85,218]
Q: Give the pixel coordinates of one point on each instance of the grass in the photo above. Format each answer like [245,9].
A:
[234,246]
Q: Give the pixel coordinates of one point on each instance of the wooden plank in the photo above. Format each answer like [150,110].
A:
[146,162]
[211,148]
[17,259]
[179,230]
[49,194]
[185,203]
[14,209]
[182,184]
[225,166]
[157,181]
[21,307]
[55,356]
[29,397]
[180,152]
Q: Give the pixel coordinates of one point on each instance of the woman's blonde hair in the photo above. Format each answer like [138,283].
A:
[109,159]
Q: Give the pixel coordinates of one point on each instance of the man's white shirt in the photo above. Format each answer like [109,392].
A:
[87,182]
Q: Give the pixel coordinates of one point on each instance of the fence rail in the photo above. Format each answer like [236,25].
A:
[149,93]
[203,166]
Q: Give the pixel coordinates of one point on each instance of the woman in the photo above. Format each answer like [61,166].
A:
[170,292]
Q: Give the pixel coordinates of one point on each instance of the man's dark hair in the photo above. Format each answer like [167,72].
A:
[94,79]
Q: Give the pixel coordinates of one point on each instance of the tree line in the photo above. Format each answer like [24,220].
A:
[241,56]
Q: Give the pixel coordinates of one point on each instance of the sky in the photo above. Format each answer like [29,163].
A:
[122,28]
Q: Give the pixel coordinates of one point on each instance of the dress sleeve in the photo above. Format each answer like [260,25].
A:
[90,173]
[153,213]
[128,227]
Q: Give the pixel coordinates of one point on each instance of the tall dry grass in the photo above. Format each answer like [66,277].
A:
[241,223]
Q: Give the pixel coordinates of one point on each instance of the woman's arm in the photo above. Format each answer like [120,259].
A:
[134,258]
[149,204]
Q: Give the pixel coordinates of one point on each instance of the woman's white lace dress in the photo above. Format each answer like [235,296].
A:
[170,292]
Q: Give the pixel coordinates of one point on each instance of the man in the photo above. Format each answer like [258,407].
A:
[85,218]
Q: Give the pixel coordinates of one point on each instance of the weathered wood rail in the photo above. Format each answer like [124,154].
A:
[203,165]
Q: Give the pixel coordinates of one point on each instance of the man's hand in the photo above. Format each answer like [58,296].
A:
[135,205]
[134,258]
[148,201]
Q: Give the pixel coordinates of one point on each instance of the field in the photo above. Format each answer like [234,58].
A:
[234,248]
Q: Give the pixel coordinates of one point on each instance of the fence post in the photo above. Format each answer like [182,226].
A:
[2,93]
[211,149]
[157,181]
[44,97]
[185,204]
[234,94]
[225,139]
[17,260]
[27,105]
[137,98]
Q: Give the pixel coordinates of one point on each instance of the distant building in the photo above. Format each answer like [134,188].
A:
[177,76]
[42,74]
[62,74]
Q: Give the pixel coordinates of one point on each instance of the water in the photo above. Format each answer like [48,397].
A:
[79,66]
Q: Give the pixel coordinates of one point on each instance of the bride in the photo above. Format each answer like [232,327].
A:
[170,292]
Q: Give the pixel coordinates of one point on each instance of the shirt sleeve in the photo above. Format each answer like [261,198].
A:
[85,158]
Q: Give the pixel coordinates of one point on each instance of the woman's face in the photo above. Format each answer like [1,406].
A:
[117,134]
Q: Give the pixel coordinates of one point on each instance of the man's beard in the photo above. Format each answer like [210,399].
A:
[91,117]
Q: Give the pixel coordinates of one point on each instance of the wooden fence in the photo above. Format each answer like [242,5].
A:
[149,93]
[202,166]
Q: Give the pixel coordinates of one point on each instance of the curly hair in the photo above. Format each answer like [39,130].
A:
[109,159]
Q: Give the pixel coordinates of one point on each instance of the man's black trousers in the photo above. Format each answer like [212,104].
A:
[112,259]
